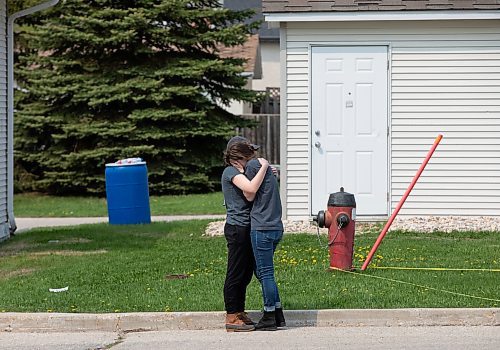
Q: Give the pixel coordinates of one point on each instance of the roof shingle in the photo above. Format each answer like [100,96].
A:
[248,51]
[270,6]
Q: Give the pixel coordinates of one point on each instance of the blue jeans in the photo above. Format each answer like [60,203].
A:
[264,244]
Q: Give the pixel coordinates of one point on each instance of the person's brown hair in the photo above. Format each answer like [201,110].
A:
[238,151]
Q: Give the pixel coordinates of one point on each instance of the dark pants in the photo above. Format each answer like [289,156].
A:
[240,267]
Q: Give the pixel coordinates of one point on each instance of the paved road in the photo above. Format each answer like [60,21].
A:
[345,338]
[57,341]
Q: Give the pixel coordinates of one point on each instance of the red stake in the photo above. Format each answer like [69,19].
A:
[401,202]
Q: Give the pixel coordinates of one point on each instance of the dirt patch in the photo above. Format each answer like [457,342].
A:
[35,255]
[15,248]
[148,234]
[19,272]
[176,276]
[70,241]
[69,252]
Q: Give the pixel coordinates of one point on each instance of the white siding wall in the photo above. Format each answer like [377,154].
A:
[4,227]
[444,78]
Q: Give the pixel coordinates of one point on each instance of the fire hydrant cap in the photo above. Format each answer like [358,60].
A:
[341,199]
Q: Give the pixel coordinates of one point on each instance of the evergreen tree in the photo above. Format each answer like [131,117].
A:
[18,5]
[112,79]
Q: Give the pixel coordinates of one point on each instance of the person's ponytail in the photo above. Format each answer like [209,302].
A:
[238,151]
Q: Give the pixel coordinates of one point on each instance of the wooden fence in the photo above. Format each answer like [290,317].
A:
[266,134]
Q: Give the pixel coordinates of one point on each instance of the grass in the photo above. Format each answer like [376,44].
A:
[36,205]
[134,268]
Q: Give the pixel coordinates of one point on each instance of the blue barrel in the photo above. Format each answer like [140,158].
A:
[127,193]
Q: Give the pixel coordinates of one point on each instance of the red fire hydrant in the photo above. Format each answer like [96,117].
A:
[340,218]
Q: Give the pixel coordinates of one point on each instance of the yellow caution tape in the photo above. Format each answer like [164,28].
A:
[430,268]
[421,286]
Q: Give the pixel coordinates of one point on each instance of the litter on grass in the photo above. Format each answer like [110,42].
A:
[58,290]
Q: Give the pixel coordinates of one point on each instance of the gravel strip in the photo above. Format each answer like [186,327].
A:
[447,223]
[216,228]
[416,224]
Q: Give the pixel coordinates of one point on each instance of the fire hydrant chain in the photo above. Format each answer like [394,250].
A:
[319,240]
[336,234]
[332,241]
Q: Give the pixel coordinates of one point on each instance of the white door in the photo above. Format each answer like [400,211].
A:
[349,126]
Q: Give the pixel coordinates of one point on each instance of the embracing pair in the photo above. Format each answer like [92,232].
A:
[253,230]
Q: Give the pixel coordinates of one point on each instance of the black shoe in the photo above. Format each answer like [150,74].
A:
[280,318]
[267,322]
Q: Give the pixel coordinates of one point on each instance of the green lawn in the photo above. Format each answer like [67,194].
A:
[36,205]
[133,268]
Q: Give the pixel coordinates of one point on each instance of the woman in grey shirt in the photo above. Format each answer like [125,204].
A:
[240,259]
[266,230]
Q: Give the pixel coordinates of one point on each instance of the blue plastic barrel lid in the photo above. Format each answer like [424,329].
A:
[127,161]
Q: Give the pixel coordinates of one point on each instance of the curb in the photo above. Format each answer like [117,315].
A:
[160,321]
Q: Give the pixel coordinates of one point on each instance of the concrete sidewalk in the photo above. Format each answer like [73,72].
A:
[161,321]
[24,224]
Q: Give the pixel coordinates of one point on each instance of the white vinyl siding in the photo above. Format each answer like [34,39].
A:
[297,128]
[454,91]
[444,78]
[4,226]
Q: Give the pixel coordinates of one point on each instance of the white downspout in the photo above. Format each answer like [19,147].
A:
[10,105]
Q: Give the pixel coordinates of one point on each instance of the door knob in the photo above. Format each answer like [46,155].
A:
[317,144]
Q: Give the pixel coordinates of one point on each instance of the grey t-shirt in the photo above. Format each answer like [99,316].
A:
[237,207]
[266,211]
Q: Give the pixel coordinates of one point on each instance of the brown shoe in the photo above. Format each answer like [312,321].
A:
[244,317]
[235,324]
